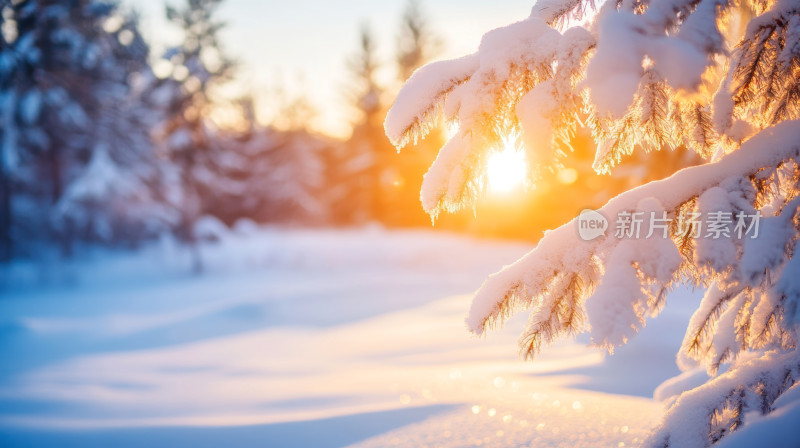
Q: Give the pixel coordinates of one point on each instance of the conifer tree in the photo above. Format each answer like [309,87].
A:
[198,65]
[643,76]
[272,174]
[63,62]
[417,42]
[361,162]
[114,197]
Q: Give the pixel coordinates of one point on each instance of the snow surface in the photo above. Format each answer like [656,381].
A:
[305,338]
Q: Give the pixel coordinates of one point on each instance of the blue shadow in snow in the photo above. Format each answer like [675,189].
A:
[324,433]
[25,350]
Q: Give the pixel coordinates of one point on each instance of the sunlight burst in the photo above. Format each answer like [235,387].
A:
[506,169]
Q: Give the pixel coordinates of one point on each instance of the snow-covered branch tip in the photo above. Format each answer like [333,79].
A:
[752,385]
[413,113]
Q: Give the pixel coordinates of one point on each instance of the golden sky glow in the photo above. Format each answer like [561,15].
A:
[303,45]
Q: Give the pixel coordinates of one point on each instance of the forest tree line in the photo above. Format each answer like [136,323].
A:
[104,142]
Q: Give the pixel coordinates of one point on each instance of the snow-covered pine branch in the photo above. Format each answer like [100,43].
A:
[752,385]
[713,76]
[561,251]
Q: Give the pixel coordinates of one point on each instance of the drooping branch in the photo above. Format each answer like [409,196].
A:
[535,269]
[719,405]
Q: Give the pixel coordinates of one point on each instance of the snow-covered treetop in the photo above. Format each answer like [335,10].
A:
[718,77]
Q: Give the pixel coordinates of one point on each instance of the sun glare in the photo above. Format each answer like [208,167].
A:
[506,169]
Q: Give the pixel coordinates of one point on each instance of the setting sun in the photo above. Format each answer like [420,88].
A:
[506,168]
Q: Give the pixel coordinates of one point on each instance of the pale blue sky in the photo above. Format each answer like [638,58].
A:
[306,42]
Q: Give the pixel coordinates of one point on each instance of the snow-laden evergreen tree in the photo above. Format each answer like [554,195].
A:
[196,67]
[115,197]
[285,176]
[362,162]
[64,82]
[48,60]
[417,41]
[716,77]
[268,174]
